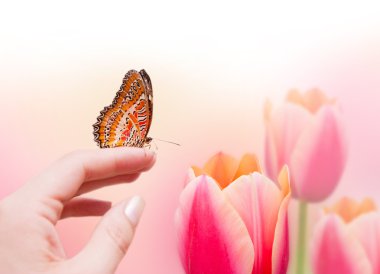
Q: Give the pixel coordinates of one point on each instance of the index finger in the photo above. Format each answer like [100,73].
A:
[63,179]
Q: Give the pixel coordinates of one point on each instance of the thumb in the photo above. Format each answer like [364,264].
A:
[111,238]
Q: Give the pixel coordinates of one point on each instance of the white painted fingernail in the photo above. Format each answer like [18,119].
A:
[134,209]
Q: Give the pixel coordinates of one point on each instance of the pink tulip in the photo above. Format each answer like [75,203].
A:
[306,133]
[240,227]
[351,247]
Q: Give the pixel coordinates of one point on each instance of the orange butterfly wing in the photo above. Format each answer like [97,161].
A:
[127,120]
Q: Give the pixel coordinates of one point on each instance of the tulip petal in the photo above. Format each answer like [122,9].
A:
[280,253]
[319,156]
[295,97]
[367,205]
[314,99]
[349,209]
[271,162]
[267,110]
[222,168]
[346,208]
[212,236]
[284,181]
[257,200]
[197,171]
[335,250]
[367,229]
[248,164]
[270,159]
[283,131]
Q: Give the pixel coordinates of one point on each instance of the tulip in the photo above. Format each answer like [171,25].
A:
[232,219]
[306,133]
[348,242]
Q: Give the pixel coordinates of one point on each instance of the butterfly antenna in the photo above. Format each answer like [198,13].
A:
[170,142]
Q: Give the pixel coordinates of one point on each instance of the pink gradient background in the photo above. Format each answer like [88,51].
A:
[212,65]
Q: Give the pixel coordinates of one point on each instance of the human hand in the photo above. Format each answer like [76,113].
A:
[29,242]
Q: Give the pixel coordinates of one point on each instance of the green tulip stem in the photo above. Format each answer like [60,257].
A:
[302,239]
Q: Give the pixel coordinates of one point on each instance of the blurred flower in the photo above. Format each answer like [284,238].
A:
[306,133]
[347,247]
[231,220]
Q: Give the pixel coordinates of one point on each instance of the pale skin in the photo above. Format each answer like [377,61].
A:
[29,242]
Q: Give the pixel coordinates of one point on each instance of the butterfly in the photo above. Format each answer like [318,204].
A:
[127,120]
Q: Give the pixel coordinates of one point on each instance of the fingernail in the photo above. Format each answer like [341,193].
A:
[151,149]
[134,209]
